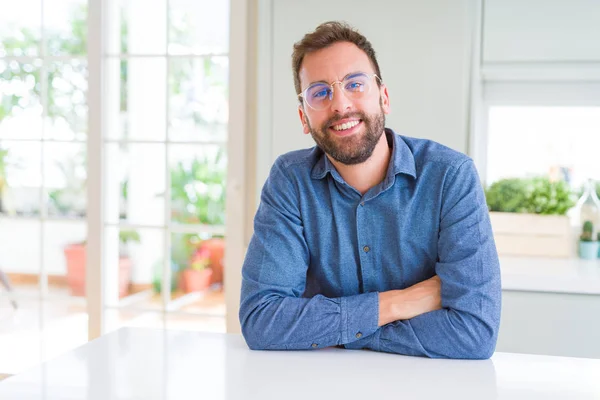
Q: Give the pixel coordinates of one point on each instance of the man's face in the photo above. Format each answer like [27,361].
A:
[362,118]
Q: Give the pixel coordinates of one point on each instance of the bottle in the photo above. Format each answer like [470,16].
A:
[588,206]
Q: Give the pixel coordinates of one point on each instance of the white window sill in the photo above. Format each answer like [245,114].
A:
[555,275]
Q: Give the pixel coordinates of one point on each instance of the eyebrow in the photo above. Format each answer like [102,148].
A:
[349,75]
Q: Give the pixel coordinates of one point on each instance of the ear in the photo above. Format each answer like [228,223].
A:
[385,99]
[303,119]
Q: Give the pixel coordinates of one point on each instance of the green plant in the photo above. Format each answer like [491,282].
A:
[198,191]
[125,237]
[200,260]
[536,195]
[549,198]
[587,233]
[66,83]
[183,246]
[507,195]
[129,236]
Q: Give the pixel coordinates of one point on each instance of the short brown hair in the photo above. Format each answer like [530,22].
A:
[325,35]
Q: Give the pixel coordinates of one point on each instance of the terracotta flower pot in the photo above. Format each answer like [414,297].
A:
[75,255]
[216,250]
[195,281]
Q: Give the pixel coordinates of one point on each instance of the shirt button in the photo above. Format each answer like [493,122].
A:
[366,249]
[358,335]
[314,345]
[362,204]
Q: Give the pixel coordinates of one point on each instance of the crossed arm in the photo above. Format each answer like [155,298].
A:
[442,317]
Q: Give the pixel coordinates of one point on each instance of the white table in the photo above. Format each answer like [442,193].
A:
[135,363]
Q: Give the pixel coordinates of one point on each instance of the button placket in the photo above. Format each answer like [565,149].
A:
[363,237]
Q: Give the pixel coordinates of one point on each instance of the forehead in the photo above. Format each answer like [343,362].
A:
[333,63]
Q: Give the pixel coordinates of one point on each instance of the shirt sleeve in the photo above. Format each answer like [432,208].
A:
[469,269]
[273,315]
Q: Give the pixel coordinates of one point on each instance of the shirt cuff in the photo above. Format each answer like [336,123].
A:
[360,316]
[370,342]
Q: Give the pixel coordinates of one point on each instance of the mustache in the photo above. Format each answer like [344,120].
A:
[335,119]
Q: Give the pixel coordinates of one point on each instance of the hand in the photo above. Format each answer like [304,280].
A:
[407,303]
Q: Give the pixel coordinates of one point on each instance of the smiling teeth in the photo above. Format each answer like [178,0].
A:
[346,125]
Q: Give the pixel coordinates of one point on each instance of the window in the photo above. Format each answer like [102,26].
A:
[165,122]
[556,141]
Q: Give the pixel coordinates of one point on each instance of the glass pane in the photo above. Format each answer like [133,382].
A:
[139,254]
[197,267]
[64,256]
[65,177]
[142,29]
[66,101]
[136,99]
[561,142]
[65,27]
[20,104]
[213,301]
[198,175]
[198,26]
[198,99]
[20,178]
[20,28]
[135,183]
[19,258]
[40,331]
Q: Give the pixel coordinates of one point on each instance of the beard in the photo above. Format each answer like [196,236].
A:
[354,149]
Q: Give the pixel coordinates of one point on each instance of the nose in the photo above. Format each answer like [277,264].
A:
[340,103]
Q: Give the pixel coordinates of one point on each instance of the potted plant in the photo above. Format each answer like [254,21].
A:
[198,197]
[196,276]
[215,248]
[528,217]
[588,247]
[125,263]
[75,255]
[75,259]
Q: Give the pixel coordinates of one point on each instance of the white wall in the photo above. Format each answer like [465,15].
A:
[423,49]
[541,31]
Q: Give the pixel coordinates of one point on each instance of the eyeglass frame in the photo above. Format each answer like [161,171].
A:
[302,94]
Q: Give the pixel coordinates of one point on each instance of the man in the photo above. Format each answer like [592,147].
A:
[370,240]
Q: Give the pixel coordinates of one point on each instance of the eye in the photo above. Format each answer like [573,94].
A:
[355,86]
[320,93]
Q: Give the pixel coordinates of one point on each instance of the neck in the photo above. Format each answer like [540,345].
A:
[366,175]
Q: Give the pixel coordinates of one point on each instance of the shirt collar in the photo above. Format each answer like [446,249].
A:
[401,162]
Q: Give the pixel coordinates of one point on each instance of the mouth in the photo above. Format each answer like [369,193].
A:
[345,128]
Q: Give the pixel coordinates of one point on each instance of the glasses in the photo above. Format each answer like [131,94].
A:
[319,95]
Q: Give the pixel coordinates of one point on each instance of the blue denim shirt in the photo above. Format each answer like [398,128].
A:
[321,252]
